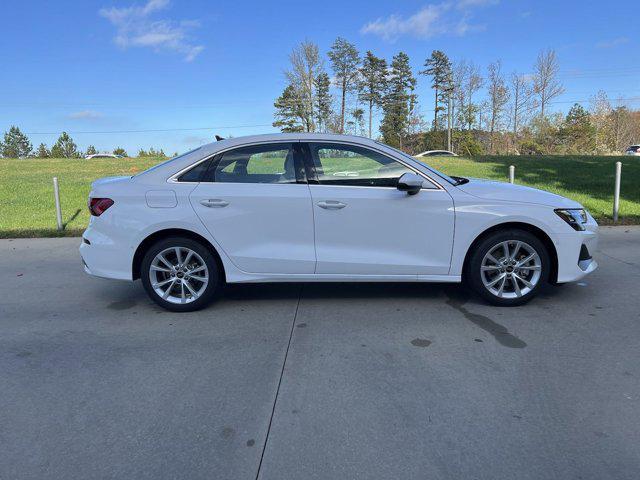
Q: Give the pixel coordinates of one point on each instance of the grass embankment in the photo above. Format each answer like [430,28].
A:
[27,207]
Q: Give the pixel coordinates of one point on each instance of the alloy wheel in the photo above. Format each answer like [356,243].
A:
[178,275]
[511,269]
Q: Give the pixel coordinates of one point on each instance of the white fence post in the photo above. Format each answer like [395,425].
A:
[56,194]
[512,173]
[616,192]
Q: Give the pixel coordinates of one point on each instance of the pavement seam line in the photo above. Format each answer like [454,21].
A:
[275,400]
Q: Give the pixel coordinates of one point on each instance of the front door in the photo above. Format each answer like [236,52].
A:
[255,202]
[365,225]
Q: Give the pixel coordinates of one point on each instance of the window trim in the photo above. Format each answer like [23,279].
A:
[312,178]
[298,158]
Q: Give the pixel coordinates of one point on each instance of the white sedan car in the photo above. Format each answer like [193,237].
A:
[327,208]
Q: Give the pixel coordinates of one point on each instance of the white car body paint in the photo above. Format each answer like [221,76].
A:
[276,232]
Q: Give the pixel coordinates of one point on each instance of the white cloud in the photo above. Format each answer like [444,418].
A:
[431,20]
[135,28]
[86,115]
[465,4]
[613,43]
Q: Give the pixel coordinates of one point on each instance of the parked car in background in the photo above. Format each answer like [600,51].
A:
[102,155]
[633,150]
[327,208]
[437,153]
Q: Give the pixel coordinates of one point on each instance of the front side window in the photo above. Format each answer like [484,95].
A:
[270,163]
[337,164]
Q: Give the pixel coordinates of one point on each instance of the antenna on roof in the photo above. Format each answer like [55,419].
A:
[218,138]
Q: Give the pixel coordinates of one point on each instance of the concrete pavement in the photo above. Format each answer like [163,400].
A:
[317,380]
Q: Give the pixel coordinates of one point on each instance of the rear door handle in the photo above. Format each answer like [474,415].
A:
[331,205]
[214,202]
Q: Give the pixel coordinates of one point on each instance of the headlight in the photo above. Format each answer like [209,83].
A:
[576,217]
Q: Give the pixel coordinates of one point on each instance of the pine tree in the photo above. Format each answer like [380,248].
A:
[323,108]
[399,102]
[118,151]
[344,62]
[289,113]
[64,147]
[91,150]
[373,83]
[577,131]
[15,144]
[43,151]
[438,67]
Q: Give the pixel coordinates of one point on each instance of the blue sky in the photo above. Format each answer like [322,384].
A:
[113,66]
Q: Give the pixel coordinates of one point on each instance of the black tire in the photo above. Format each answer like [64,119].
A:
[209,292]
[473,273]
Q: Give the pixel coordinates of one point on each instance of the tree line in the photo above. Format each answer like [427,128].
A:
[16,144]
[474,111]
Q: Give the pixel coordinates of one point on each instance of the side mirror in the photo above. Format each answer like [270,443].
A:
[410,183]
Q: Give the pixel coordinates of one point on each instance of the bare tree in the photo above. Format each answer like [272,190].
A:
[306,66]
[600,116]
[458,93]
[523,101]
[498,99]
[624,128]
[545,79]
[472,82]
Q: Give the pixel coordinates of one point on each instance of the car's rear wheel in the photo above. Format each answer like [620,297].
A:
[508,267]
[180,274]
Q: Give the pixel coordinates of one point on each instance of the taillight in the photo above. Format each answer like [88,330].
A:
[97,206]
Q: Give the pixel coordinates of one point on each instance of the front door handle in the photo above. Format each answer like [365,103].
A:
[214,202]
[331,205]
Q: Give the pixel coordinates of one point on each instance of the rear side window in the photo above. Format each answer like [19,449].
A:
[196,173]
[270,163]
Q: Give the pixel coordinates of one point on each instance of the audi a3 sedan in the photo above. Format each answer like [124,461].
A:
[327,208]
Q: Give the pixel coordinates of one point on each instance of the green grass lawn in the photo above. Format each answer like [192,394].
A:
[27,206]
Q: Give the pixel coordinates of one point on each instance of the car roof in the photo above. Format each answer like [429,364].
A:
[183,161]
[274,137]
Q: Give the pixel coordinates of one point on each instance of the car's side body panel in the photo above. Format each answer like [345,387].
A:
[262,228]
[383,230]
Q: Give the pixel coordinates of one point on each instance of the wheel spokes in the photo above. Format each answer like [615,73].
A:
[516,287]
[507,276]
[164,260]
[173,273]
[193,293]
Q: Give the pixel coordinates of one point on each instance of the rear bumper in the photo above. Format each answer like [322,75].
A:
[104,256]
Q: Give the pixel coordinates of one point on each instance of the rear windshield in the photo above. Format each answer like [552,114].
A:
[166,162]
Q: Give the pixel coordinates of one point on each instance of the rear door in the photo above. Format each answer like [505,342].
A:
[255,202]
[365,226]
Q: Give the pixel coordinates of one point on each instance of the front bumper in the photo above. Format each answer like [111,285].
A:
[575,253]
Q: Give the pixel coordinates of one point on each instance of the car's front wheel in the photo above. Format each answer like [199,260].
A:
[508,267]
[180,274]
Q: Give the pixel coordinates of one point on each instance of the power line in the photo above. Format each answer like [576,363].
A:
[152,130]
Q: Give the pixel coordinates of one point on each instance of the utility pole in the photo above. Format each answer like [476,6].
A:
[449,119]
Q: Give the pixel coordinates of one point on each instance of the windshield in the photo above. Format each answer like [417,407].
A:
[162,164]
[449,179]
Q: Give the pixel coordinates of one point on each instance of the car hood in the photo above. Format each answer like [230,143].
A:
[507,192]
